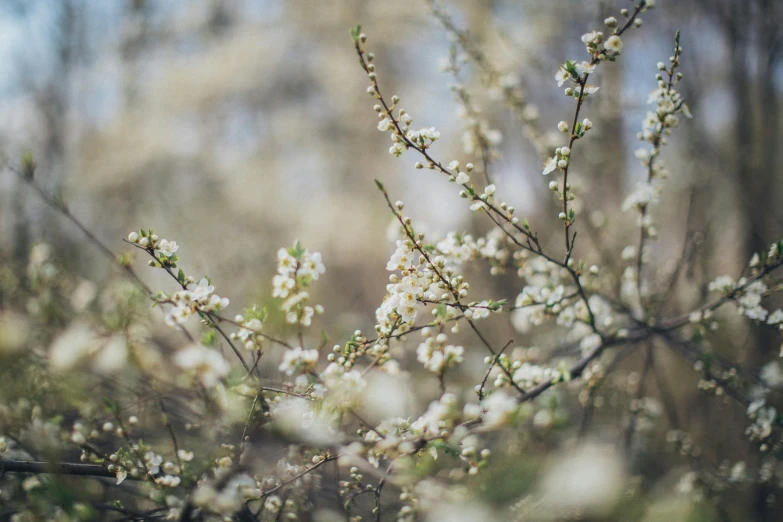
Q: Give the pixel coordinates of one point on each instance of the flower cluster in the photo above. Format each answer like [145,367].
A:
[436,355]
[656,126]
[299,360]
[345,387]
[206,364]
[401,304]
[762,418]
[749,292]
[441,415]
[498,409]
[601,48]
[163,251]
[250,324]
[297,268]
[194,298]
[400,132]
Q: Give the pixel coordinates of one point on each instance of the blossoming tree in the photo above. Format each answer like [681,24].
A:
[208,429]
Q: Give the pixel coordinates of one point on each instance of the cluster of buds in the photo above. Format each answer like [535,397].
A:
[601,48]
[162,250]
[558,161]
[250,324]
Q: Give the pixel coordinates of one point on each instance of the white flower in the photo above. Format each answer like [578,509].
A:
[430,133]
[550,165]
[396,150]
[401,259]
[588,89]
[645,194]
[345,388]
[590,343]
[207,364]
[562,76]
[72,346]
[167,248]
[499,409]
[200,291]
[771,375]
[178,314]
[528,374]
[286,263]
[186,456]
[614,44]
[775,317]
[722,284]
[384,125]
[311,265]
[281,285]
[436,357]
[642,155]
[298,360]
[481,311]
[584,67]
[462,178]
[590,37]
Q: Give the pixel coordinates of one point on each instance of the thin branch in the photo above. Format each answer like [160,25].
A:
[495,360]
[58,468]
[300,475]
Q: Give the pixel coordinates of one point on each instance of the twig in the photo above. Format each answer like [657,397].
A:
[495,360]
[58,468]
[300,475]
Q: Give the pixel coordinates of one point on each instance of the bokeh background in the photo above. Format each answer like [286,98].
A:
[236,127]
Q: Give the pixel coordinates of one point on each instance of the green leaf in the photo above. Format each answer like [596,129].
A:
[355,32]
[181,276]
[111,406]
[209,338]
[379,185]
[570,66]
[441,310]
[297,251]
[256,313]
[494,306]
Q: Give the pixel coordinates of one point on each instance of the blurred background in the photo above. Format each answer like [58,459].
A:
[237,126]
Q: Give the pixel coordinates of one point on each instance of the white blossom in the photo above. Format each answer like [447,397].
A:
[207,364]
